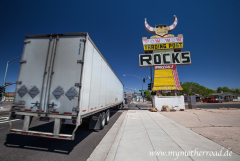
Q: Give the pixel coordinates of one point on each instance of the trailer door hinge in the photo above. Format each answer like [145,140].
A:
[80,61]
[76,109]
[82,40]
[78,84]
[27,41]
[23,61]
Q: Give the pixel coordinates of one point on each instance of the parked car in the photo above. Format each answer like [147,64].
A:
[213,100]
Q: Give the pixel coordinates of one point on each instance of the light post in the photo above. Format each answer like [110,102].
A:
[143,81]
[5,76]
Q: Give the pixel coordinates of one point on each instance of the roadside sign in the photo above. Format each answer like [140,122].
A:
[167,58]
[178,45]
[166,91]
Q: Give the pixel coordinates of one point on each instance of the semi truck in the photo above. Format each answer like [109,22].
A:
[64,78]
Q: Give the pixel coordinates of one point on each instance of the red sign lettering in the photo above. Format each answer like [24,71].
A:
[178,38]
[165,67]
[167,40]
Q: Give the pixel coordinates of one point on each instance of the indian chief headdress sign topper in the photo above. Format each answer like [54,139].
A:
[163,52]
[161,31]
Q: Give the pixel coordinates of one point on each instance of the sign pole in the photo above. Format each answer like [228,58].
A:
[142,91]
[4,79]
[163,52]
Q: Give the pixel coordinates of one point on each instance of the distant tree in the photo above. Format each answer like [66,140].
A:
[201,90]
[237,90]
[226,89]
[148,94]
[5,94]
[190,88]
[187,89]
[208,92]
[219,89]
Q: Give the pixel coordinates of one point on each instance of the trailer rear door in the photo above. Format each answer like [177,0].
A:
[51,74]
[64,82]
[32,73]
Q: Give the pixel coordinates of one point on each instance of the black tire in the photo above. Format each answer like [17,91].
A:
[102,120]
[107,116]
[120,106]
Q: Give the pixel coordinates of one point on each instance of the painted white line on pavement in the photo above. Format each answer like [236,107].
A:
[5,120]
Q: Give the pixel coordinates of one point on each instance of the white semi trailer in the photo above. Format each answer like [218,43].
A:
[64,78]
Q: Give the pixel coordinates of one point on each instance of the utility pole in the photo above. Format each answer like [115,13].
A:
[4,79]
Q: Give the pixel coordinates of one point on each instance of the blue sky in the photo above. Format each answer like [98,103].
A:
[210,30]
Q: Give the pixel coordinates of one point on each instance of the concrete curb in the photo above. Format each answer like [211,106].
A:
[108,147]
[113,150]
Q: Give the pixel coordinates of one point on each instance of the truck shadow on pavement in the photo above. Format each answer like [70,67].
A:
[137,106]
[83,136]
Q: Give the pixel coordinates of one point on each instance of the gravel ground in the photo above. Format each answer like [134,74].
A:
[221,126]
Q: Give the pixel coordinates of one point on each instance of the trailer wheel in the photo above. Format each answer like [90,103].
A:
[107,117]
[120,106]
[103,120]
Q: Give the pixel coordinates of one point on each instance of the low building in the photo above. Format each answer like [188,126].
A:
[127,95]
[10,94]
[226,96]
[7,99]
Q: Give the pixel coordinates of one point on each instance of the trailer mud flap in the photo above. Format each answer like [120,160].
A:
[95,121]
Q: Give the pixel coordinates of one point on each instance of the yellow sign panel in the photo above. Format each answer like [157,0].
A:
[164,81]
[176,45]
[166,88]
[163,73]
